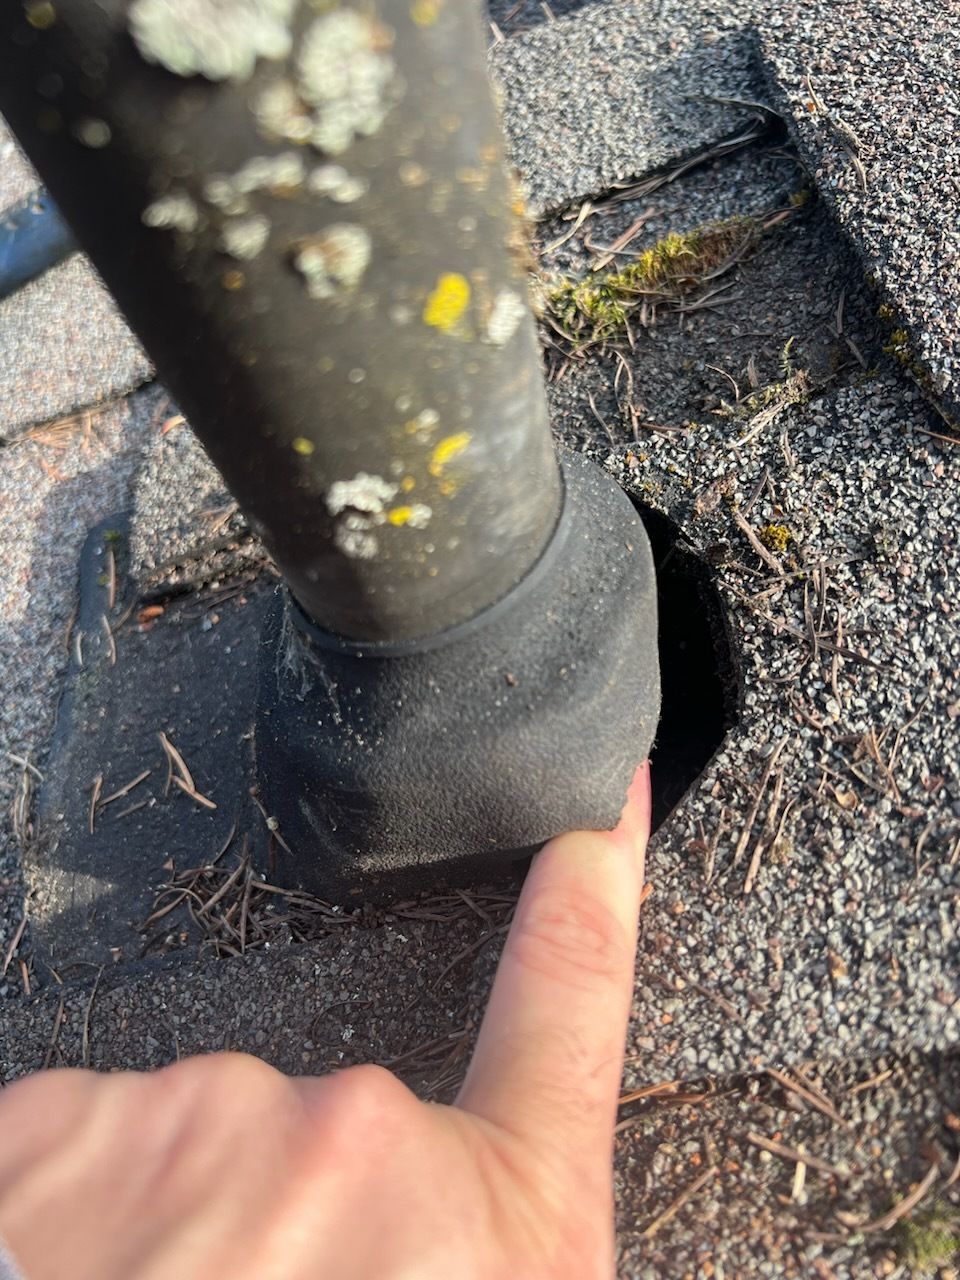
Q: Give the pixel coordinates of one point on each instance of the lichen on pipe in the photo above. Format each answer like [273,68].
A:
[304,211]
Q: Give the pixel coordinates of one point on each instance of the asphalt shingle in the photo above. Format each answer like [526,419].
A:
[63,344]
[872,96]
[619,90]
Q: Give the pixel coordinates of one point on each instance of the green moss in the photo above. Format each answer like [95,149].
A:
[928,1240]
[596,309]
[898,346]
[794,388]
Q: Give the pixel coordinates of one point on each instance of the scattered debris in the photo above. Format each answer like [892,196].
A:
[677,1204]
[799,1157]
[179,775]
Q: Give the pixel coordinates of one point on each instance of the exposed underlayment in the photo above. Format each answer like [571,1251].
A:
[55,484]
[805,892]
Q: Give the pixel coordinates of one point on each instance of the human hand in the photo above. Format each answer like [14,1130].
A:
[220,1166]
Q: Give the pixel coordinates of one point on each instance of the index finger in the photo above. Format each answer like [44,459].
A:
[549,1058]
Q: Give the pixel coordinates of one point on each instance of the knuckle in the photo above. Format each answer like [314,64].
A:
[361,1103]
[234,1078]
[573,936]
[241,1068]
[370,1092]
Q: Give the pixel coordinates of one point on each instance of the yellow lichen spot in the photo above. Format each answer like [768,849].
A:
[399,516]
[408,484]
[447,303]
[448,488]
[425,12]
[40,14]
[447,450]
[776,537]
[303,446]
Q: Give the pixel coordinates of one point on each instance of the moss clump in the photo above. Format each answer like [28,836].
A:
[766,403]
[776,537]
[794,389]
[898,346]
[597,309]
[928,1240]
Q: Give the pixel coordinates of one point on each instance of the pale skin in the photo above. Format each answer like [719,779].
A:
[220,1166]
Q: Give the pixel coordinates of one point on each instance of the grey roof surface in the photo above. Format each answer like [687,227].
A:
[63,344]
[873,97]
[844,949]
[570,133]
[866,498]
[63,348]
[17,176]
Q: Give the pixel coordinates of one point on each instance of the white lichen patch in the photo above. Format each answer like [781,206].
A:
[346,75]
[505,316]
[92,132]
[361,505]
[283,172]
[175,211]
[333,181]
[366,493]
[223,195]
[219,39]
[279,175]
[244,238]
[281,114]
[334,260]
[358,544]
